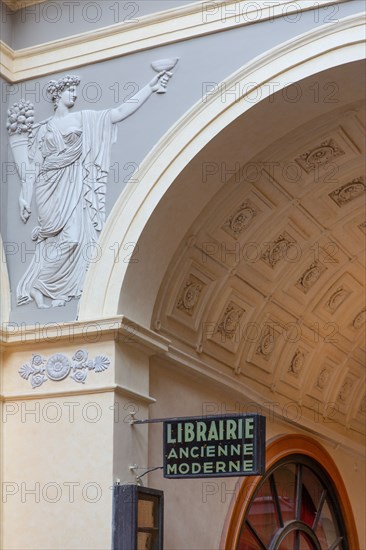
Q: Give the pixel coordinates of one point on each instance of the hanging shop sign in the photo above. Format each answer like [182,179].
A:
[214,446]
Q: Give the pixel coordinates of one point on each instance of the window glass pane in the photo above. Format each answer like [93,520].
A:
[326,530]
[311,493]
[145,541]
[305,543]
[318,510]
[262,515]
[288,543]
[285,478]
[145,513]
[247,541]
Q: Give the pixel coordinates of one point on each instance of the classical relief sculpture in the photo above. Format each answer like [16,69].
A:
[64,161]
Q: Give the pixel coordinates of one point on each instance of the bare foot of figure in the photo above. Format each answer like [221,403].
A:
[39,299]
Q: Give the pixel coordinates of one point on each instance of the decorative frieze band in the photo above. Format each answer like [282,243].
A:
[59,366]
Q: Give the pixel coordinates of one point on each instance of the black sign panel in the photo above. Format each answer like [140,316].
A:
[214,446]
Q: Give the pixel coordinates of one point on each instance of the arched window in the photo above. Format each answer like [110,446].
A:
[298,505]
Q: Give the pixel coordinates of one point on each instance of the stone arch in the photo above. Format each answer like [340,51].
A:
[324,48]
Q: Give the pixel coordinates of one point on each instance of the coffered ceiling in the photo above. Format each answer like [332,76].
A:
[268,285]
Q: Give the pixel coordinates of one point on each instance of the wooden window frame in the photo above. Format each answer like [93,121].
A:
[277,449]
[125,515]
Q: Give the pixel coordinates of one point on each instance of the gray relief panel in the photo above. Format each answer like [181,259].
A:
[203,60]
[60,18]
[4,150]
[6,24]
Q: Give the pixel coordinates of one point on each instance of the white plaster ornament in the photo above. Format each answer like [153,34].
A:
[348,192]
[59,366]
[267,343]
[231,320]
[64,162]
[323,379]
[310,276]
[240,220]
[359,320]
[322,154]
[297,363]
[278,250]
[190,295]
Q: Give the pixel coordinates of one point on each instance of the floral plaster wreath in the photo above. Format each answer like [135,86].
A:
[59,366]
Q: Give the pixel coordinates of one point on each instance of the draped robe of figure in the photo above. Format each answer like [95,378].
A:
[70,188]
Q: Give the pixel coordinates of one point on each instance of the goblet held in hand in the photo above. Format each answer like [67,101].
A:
[165,65]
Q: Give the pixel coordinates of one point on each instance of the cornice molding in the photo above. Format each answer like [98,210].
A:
[124,391]
[6,61]
[118,328]
[153,343]
[150,31]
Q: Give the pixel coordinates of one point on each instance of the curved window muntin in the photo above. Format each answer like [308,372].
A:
[295,524]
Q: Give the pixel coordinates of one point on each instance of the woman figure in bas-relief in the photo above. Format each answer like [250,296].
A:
[67,167]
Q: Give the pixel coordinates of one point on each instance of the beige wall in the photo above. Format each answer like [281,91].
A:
[64,444]
[57,454]
[63,450]
[197,509]
[57,475]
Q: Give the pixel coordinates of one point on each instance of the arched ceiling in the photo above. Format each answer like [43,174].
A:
[268,283]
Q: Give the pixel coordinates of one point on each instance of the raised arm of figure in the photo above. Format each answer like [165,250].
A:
[126,109]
